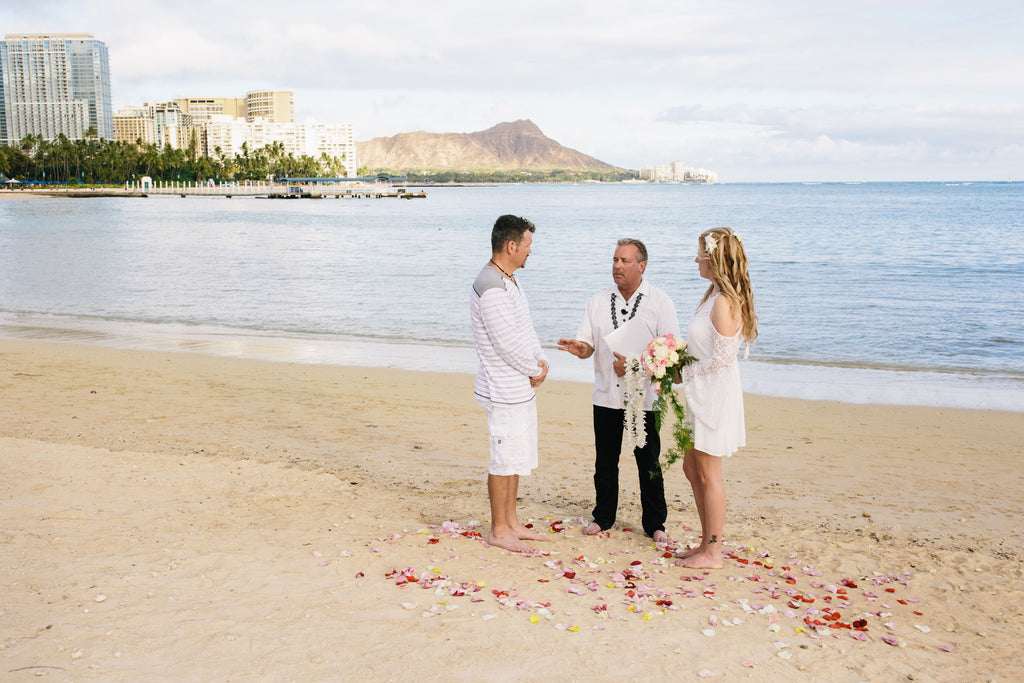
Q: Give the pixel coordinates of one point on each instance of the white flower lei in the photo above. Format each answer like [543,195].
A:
[636,385]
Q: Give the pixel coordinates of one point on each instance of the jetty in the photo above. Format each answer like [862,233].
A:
[380,187]
[285,188]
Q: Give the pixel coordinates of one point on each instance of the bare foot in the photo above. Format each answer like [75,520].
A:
[508,542]
[528,534]
[660,536]
[687,553]
[593,529]
[704,560]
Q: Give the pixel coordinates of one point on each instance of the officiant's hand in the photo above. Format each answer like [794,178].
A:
[619,364]
[580,349]
[536,381]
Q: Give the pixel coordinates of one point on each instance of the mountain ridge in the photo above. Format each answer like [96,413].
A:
[506,146]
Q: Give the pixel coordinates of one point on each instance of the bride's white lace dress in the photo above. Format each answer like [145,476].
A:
[714,395]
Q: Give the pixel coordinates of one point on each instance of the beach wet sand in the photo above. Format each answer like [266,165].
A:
[191,517]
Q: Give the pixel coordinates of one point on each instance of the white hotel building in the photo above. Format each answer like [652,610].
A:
[226,134]
[677,172]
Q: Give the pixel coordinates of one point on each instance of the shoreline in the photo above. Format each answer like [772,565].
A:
[982,390]
[166,511]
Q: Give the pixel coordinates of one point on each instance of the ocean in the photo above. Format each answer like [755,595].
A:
[893,293]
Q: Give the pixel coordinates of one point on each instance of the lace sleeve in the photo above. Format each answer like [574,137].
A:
[723,357]
[703,381]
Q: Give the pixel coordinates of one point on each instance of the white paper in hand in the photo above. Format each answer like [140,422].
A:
[631,337]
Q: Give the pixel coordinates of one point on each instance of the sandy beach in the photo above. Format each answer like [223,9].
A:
[175,516]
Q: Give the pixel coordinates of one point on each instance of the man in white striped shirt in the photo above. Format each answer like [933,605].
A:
[512,365]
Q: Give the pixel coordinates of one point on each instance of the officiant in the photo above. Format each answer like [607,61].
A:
[617,322]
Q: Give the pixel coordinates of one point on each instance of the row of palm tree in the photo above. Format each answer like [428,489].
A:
[92,160]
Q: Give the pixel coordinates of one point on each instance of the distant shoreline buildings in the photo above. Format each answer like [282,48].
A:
[54,84]
[677,172]
[224,127]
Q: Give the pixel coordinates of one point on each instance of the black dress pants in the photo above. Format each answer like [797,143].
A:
[608,432]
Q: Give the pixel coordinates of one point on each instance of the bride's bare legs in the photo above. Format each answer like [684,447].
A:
[705,475]
[689,469]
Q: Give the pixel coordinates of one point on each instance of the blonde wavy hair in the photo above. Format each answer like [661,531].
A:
[728,264]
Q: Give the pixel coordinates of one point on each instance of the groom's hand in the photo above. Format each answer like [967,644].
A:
[539,379]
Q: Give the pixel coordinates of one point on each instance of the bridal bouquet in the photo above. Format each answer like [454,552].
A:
[660,363]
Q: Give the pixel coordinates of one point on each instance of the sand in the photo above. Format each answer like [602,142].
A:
[174,516]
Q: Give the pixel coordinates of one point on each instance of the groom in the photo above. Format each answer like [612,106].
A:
[631,301]
[512,365]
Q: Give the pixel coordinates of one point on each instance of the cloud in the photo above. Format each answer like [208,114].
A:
[739,87]
[941,125]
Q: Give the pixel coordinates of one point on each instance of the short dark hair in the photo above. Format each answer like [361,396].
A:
[640,248]
[509,228]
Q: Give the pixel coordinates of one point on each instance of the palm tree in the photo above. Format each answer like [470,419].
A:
[150,159]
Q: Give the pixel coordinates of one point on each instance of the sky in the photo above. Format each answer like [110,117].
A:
[780,91]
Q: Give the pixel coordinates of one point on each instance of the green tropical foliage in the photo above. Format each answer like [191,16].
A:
[95,161]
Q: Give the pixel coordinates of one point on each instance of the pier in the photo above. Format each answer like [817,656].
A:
[271,190]
[263,190]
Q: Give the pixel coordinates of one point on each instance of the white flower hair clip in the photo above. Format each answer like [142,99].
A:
[738,238]
[710,244]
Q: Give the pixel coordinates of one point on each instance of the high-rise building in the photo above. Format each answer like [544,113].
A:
[203,109]
[276,106]
[161,124]
[132,124]
[54,83]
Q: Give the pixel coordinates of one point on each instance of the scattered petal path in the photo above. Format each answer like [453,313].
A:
[779,597]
